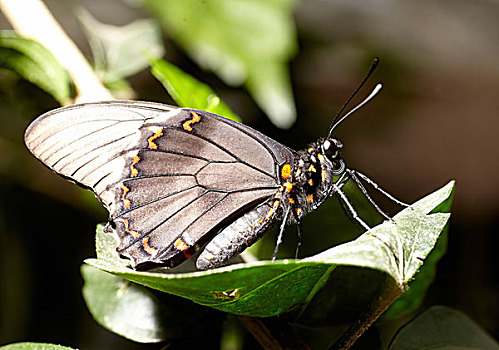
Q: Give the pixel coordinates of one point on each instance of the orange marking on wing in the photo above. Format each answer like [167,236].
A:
[312,168]
[291,201]
[288,186]
[126,202]
[286,171]
[135,234]
[150,250]
[299,211]
[311,182]
[133,170]
[195,119]
[150,140]
[180,245]
[310,198]
[323,175]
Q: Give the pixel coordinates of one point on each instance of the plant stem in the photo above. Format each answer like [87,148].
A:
[390,292]
[272,333]
[32,19]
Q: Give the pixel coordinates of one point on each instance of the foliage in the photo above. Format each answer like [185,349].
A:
[34,63]
[246,42]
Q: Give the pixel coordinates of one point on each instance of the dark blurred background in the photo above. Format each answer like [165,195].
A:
[435,120]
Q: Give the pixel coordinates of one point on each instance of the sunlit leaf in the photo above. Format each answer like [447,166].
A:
[244,42]
[35,63]
[120,51]
[188,91]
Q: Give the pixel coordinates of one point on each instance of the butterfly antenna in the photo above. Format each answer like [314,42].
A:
[367,99]
[335,122]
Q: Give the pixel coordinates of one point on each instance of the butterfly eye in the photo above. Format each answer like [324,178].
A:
[332,148]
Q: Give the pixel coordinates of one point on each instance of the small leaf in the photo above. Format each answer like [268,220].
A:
[267,288]
[246,42]
[122,307]
[188,91]
[105,247]
[35,63]
[441,327]
[121,51]
[34,346]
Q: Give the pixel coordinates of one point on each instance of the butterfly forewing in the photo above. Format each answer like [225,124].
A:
[169,177]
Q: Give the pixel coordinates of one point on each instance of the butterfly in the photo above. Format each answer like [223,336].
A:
[174,178]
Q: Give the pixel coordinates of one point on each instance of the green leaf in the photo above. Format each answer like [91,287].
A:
[397,247]
[188,91]
[35,63]
[123,307]
[413,297]
[246,42]
[135,312]
[121,51]
[262,289]
[441,327]
[34,346]
[105,247]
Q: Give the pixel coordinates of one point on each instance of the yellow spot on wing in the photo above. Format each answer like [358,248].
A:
[126,202]
[286,171]
[134,234]
[195,119]
[323,175]
[288,186]
[310,198]
[150,250]
[312,168]
[133,170]
[311,182]
[180,245]
[150,140]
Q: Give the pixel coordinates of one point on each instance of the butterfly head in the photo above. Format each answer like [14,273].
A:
[331,148]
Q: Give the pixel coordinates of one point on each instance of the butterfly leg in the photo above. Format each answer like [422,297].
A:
[355,176]
[337,190]
[298,245]
[281,233]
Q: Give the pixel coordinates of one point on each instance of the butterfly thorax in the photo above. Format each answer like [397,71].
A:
[311,178]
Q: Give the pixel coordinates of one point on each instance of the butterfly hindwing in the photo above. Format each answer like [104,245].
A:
[168,176]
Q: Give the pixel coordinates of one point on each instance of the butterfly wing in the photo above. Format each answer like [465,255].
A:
[168,176]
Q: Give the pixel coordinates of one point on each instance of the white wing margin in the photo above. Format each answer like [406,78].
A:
[85,142]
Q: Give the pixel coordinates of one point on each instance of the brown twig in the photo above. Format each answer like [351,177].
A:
[273,334]
[390,292]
